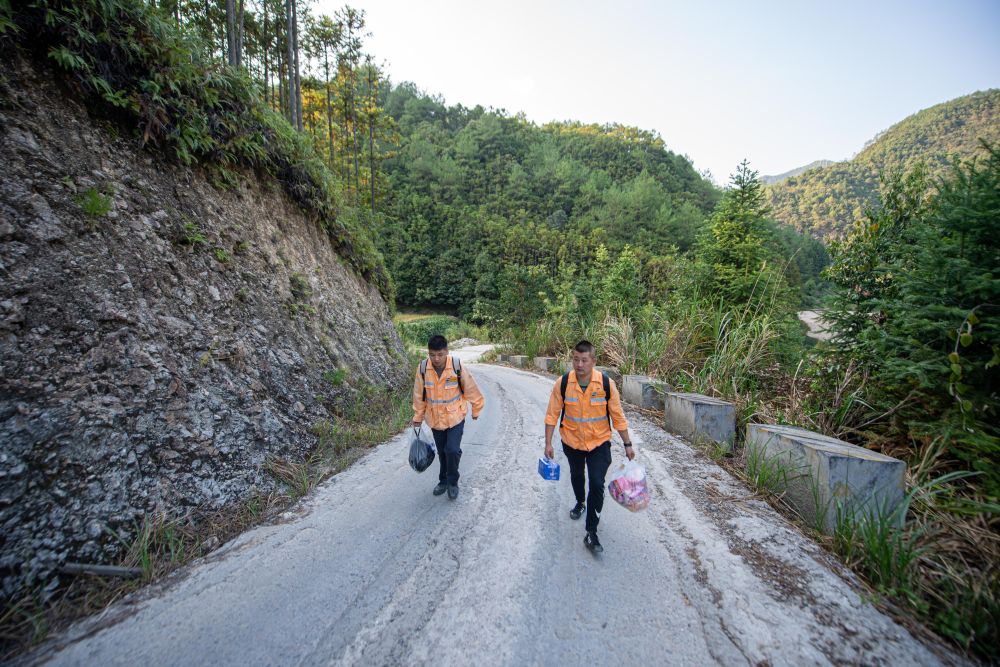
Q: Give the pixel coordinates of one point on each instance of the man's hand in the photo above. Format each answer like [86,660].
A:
[549,452]
[629,452]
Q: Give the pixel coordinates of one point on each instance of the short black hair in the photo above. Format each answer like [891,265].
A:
[585,346]
[437,342]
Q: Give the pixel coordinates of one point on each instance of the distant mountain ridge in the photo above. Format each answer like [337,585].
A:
[795,172]
[825,201]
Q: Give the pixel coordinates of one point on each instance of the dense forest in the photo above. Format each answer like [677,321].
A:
[827,200]
[487,213]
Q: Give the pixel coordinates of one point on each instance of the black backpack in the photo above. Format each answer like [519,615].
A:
[455,363]
[607,392]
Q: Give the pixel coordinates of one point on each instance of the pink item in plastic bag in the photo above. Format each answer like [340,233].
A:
[628,486]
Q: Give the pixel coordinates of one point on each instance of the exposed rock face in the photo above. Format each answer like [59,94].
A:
[160,338]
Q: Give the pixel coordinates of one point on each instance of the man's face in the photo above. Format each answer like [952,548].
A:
[438,357]
[583,362]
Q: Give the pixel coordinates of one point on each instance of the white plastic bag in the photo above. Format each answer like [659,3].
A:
[628,486]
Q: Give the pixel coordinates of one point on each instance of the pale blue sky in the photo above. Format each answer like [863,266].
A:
[781,83]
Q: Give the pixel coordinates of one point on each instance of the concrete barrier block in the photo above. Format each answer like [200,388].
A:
[644,391]
[828,480]
[503,358]
[519,360]
[611,373]
[545,363]
[700,418]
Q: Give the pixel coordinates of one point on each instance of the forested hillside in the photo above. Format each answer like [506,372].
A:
[825,201]
[487,210]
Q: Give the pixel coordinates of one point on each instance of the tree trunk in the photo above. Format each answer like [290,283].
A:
[264,44]
[209,37]
[240,32]
[290,31]
[280,75]
[354,134]
[347,145]
[371,136]
[231,32]
[298,77]
[329,105]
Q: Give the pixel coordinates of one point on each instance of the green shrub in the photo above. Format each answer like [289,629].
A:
[417,332]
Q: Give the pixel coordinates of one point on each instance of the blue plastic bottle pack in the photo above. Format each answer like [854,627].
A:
[548,468]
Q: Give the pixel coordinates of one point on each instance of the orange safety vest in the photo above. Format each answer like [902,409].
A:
[585,413]
[441,398]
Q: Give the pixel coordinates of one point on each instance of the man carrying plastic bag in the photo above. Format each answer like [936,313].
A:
[584,403]
[441,388]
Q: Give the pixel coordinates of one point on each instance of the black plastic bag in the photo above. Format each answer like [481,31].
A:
[421,453]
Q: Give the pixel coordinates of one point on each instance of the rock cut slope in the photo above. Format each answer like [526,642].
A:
[160,338]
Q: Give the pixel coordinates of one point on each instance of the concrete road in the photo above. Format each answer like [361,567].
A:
[374,570]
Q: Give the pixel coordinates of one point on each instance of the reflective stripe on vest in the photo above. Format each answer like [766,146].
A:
[587,419]
[453,399]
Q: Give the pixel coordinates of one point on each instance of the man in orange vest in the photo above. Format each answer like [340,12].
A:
[439,395]
[584,403]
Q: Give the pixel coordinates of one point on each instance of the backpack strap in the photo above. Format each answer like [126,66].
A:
[423,376]
[562,390]
[607,395]
[456,364]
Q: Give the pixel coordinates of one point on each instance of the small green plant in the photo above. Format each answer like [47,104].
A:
[886,553]
[336,377]
[296,309]
[222,256]
[717,451]
[299,285]
[765,473]
[95,204]
[252,508]
[193,235]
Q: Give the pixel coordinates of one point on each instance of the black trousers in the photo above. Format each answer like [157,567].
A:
[449,446]
[597,461]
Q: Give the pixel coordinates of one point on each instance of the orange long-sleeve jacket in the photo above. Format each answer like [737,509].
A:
[445,405]
[585,425]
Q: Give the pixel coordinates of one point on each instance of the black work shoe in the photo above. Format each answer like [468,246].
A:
[577,511]
[440,488]
[452,492]
[591,542]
